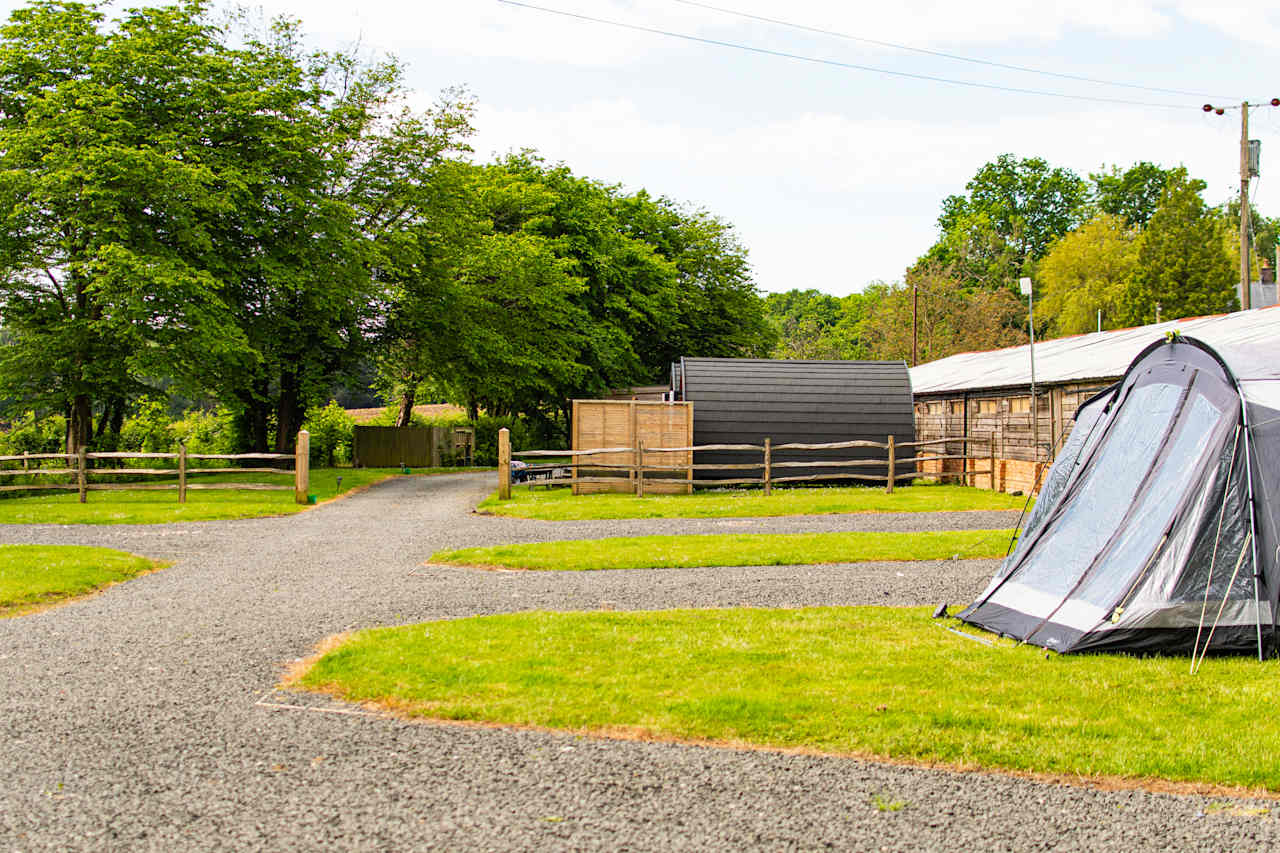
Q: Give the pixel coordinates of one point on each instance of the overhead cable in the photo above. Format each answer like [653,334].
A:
[836,63]
[941,54]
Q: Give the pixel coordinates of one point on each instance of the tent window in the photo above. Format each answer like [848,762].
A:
[988,407]
[1020,405]
[935,407]
[956,407]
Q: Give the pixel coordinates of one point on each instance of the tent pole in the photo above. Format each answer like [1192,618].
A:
[1253,523]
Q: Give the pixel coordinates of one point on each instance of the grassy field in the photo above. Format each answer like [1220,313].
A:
[733,549]
[561,505]
[159,507]
[868,681]
[35,576]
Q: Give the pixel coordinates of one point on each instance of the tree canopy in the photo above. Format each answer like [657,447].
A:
[220,211]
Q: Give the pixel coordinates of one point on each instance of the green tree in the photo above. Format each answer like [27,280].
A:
[950,318]
[1131,194]
[106,195]
[814,325]
[1014,209]
[1086,271]
[1182,260]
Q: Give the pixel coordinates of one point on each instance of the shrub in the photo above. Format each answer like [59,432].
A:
[332,430]
[31,434]
[204,431]
[147,430]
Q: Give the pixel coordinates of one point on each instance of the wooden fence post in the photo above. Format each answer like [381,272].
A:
[82,460]
[768,466]
[893,468]
[993,461]
[504,464]
[182,473]
[26,463]
[302,467]
[639,469]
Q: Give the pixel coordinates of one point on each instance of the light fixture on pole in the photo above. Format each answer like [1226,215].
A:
[1024,285]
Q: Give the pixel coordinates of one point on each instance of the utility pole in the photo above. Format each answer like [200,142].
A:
[1246,172]
[1024,284]
[1244,207]
[915,306]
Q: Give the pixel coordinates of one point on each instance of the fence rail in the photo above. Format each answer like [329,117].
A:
[78,466]
[555,473]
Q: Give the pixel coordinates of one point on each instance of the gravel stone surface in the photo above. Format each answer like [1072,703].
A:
[145,718]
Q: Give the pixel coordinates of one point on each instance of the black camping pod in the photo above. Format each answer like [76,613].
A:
[1155,530]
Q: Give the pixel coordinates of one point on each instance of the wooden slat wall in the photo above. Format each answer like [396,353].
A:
[960,414]
[744,401]
[623,423]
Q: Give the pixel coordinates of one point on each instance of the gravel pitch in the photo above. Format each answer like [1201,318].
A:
[133,719]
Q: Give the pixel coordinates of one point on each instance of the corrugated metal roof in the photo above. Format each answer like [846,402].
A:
[1249,341]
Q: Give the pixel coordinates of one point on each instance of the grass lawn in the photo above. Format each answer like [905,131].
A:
[562,505]
[733,549]
[34,576]
[868,681]
[158,507]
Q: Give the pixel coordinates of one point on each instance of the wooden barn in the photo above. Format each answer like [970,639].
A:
[986,396]
[744,401]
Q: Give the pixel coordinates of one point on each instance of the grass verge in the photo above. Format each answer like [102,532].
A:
[36,576]
[865,681]
[561,505]
[160,507]
[733,549]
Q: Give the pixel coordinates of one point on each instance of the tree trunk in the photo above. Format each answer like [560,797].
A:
[407,398]
[80,424]
[473,409]
[289,412]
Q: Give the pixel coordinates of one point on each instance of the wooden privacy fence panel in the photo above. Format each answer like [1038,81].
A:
[618,433]
[77,466]
[412,447]
[588,467]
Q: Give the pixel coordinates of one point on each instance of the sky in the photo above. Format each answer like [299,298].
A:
[833,176]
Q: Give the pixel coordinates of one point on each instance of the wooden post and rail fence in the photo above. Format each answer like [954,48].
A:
[636,470]
[77,467]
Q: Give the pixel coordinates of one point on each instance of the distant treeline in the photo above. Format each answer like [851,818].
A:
[1117,248]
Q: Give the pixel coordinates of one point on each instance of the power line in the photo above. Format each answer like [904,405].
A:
[943,55]
[836,63]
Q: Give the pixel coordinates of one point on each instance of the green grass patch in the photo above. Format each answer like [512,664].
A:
[34,576]
[160,507]
[872,681]
[561,505]
[733,549]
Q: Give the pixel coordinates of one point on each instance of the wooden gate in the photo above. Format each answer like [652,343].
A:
[413,447]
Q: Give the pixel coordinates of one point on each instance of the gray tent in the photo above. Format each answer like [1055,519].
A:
[1155,530]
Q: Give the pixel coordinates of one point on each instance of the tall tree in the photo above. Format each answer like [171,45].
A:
[1182,261]
[1086,271]
[1014,209]
[1131,194]
[106,196]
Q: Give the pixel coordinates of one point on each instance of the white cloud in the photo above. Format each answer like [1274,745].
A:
[831,201]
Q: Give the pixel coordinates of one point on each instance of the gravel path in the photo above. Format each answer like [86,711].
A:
[133,719]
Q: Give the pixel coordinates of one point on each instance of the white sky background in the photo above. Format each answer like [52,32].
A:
[833,177]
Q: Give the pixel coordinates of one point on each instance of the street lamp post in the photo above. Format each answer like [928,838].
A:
[1024,284]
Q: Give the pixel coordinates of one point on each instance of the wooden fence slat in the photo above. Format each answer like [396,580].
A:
[130,455]
[239,455]
[835,445]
